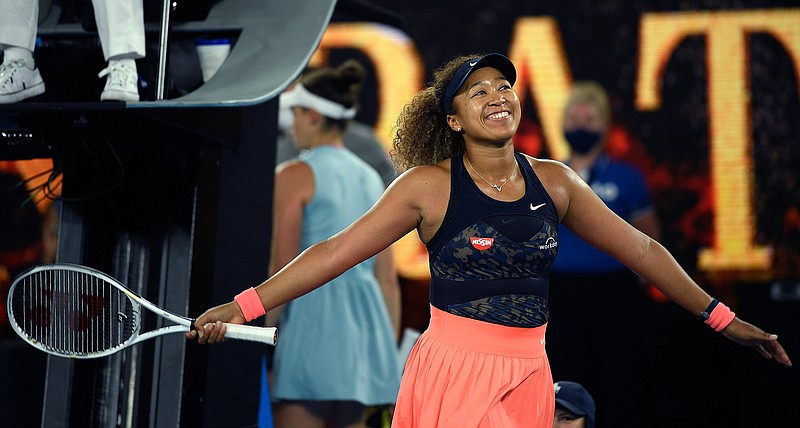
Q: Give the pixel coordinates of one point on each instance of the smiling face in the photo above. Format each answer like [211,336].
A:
[486,107]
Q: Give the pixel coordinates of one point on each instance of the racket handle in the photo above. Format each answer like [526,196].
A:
[268,335]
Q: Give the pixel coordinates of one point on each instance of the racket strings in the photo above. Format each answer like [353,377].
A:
[73,312]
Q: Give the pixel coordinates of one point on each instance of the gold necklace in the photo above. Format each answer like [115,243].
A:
[496,187]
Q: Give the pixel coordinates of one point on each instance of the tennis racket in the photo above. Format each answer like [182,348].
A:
[74,311]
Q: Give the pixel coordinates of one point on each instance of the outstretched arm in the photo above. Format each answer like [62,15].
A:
[589,218]
[394,215]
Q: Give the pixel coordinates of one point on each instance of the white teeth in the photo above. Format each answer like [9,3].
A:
[500,115]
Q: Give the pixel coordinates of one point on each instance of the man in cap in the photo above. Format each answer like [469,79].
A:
[574,406]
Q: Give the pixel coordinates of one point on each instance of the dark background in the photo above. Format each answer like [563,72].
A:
[691,376]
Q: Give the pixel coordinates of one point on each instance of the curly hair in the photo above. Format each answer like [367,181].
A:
[421,133]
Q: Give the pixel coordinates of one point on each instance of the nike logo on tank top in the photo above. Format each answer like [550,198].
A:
[490,260]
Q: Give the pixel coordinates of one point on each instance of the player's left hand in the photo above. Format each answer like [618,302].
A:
[764,343]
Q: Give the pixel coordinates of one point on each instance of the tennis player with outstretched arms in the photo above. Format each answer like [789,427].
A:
[489,217]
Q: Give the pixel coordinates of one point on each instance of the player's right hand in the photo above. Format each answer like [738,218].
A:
[210,328]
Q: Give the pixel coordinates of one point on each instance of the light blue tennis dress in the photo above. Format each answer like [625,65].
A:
[337,342]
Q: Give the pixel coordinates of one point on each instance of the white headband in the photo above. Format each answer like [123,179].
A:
[300,97]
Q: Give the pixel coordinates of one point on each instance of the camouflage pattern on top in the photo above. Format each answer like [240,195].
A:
[460,261]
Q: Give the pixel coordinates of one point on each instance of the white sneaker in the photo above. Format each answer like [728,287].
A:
[18,82]
[120,83]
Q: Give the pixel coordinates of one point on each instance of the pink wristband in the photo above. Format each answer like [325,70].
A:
[720,317]
[250,304]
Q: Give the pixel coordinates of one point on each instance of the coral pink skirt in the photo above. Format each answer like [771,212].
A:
[465,373]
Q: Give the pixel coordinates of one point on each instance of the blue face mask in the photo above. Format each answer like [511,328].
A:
[582,140]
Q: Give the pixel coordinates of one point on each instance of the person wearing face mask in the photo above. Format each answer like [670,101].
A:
[588,284]
[489,217]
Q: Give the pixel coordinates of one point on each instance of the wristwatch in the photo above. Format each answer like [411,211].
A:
[707,312]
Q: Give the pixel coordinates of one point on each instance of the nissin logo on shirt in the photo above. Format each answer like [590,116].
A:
[549,244]
[481,243]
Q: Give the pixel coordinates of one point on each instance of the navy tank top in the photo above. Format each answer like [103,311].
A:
[490,260]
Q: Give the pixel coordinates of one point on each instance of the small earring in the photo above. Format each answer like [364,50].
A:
[457,129]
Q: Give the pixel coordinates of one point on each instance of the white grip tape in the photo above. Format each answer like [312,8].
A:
[268,335]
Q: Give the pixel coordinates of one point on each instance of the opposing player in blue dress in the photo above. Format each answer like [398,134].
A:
[338,350]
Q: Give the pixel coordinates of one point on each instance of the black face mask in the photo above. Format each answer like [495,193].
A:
[582,140]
